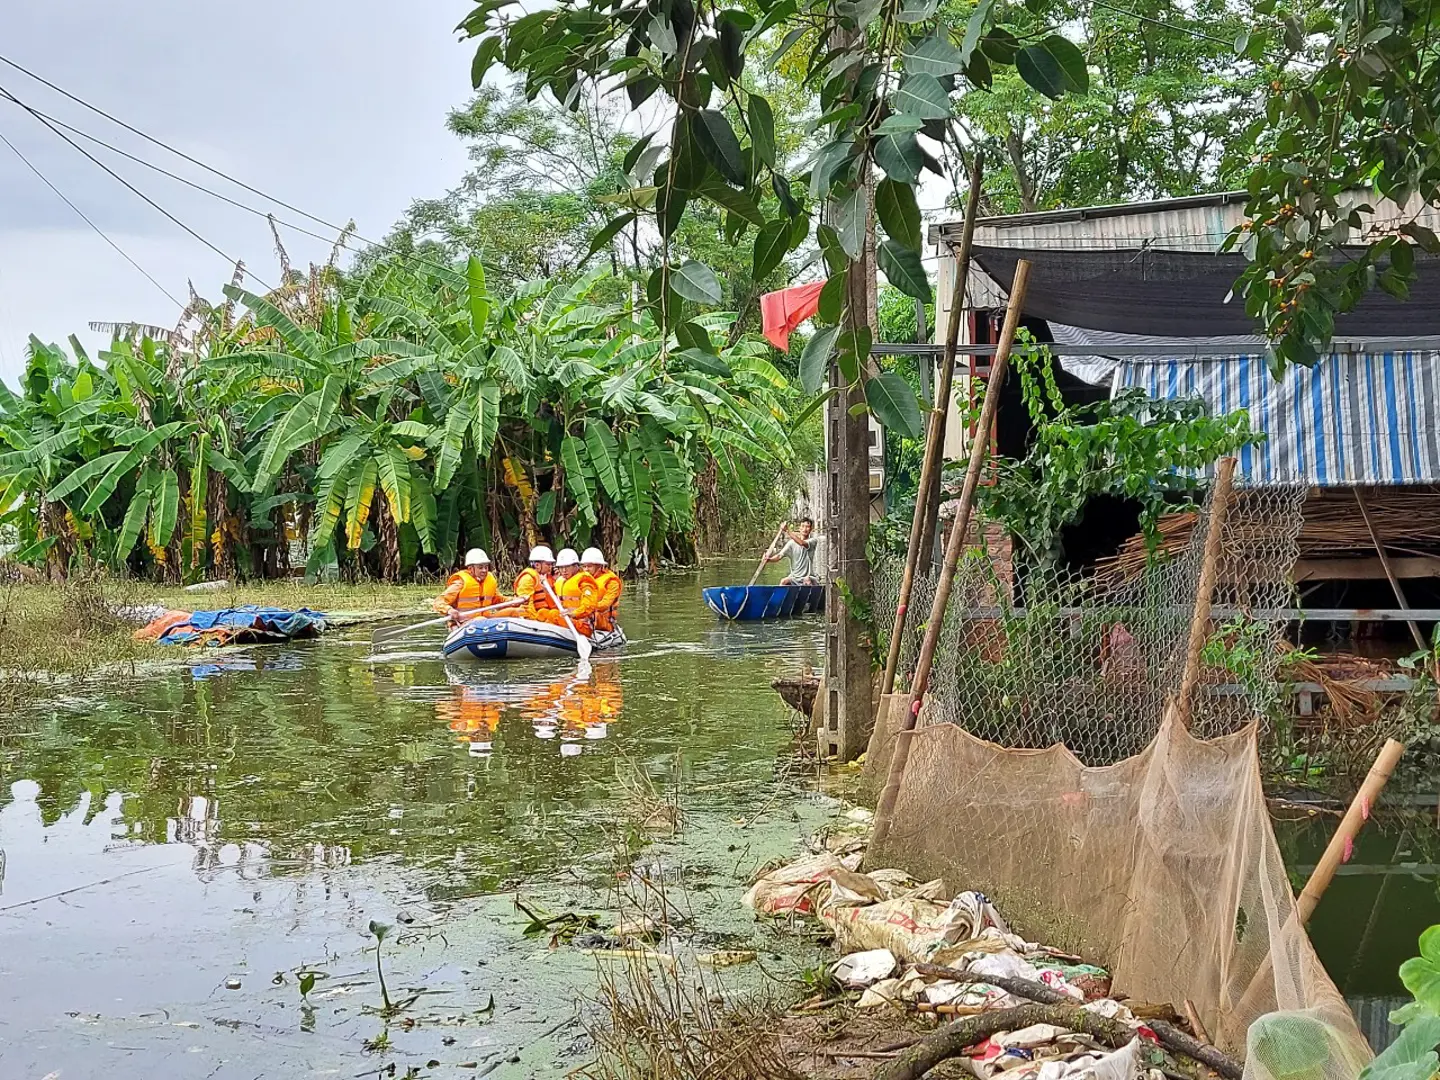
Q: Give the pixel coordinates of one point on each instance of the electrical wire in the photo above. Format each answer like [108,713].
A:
[135,190]
[85,218]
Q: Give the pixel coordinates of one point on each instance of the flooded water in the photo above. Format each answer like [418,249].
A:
[179,850]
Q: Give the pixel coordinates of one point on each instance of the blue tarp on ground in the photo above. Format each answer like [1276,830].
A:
[251,623]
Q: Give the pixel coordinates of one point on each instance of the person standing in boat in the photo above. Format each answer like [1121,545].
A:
[470,589]
[800,550]
[530,585]
[608,587]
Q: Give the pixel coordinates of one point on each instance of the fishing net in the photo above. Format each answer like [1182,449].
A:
[1047,771]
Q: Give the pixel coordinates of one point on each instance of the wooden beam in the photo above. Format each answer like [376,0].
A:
[1369,568]
[1420,642]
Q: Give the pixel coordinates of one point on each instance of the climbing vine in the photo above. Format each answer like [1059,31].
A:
[1131,446]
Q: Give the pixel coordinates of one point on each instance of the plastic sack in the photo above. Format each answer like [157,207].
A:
[805,887]
[861,969]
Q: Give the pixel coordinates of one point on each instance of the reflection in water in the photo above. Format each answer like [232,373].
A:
[575,709]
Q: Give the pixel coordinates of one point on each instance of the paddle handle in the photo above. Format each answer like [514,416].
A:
[446,618]
[778,533]
[582,643]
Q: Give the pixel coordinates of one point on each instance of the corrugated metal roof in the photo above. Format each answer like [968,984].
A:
[1366,418]
[1193,223]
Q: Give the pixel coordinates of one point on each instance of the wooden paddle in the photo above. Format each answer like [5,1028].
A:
[778,533]
[582,643]
[446,618]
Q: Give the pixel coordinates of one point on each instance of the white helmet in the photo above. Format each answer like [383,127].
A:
[567,557]
[593,557]
[476,555]
[541,553]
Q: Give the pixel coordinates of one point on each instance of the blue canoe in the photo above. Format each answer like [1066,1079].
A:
[748,602]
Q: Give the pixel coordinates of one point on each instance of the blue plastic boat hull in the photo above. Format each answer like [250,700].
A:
[746,603]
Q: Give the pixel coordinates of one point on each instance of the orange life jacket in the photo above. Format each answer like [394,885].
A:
[465,592]
[578,593]
[528,587]
[607,601]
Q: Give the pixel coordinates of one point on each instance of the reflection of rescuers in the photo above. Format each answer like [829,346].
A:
[470,589]
[608,587]
[800,550]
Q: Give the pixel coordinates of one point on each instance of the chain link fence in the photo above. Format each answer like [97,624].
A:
[1032,653]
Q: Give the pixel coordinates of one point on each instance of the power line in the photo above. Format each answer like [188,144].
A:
[160,169]
[132,188]
[1192,31]
[341,232]
[164,145]
[84,217]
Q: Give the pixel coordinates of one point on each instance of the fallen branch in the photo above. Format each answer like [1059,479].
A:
[956,1037]
[1171,1037]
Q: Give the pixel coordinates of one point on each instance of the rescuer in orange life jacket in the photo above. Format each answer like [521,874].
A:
[608,587]
[576,590]
[530,585]
[470,589]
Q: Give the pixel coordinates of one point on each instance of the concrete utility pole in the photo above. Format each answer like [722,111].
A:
[846,712]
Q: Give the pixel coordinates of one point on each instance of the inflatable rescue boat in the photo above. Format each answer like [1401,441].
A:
[513,638]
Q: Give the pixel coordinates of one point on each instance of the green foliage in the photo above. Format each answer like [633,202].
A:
[883,71]
[1357,111]
[376,420]
[1130,446]
[1413,1055]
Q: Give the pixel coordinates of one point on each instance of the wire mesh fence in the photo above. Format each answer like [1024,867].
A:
[1032,653]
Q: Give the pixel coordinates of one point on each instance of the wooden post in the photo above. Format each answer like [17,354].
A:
[1420,642]
[844,730]
[1349,827]
[959,529]
[927,492]
[1205,592]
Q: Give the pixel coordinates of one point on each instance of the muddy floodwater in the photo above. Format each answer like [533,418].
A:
[179,850]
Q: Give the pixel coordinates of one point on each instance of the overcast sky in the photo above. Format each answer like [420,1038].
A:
[335,106]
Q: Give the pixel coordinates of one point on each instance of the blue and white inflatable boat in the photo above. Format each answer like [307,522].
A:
[513,638]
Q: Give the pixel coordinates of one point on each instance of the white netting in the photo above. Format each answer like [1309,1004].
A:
[1047,771]
[1034,655]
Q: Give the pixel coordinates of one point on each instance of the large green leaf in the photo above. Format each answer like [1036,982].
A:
[771,244]
[291,432]
[84,474]
[479,302]
[339,456]
[134,522]
[1410,1057]
[393,468]
[1421,974]
[452,441]
[762,129]
[894,404]
[697,283]
[198,532]
[303,342]
[903,269]
[638,504]
[604,453]
[815,359]
[1054,66]
[720,146]
[899,154]
[935,55]
[851,216]
[508,363]
[487,417]
[737,202]
[898,212]
[165,514]
[576,478]
[922,96]
[326,404]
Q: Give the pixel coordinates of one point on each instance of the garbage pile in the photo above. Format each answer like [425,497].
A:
[906,945]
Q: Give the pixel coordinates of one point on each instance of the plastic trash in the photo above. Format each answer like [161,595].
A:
[805,887]
[861,969]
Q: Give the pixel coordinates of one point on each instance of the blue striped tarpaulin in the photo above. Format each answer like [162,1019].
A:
[1355,418]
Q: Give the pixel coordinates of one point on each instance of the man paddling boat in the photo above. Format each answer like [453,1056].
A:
[608,587]
[470,589]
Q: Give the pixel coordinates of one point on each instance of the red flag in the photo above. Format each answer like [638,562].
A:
[783,311]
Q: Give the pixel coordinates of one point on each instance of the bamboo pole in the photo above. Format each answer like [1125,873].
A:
[959,530]
[928,489]
[1209,570]
[778,533]
[1349,827]
[1389,571]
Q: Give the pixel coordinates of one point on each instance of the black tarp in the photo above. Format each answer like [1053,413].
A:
[1182,294]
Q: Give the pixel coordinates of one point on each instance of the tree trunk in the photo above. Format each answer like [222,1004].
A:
[1024,182]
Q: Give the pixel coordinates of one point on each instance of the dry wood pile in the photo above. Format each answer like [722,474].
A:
[1407,519]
